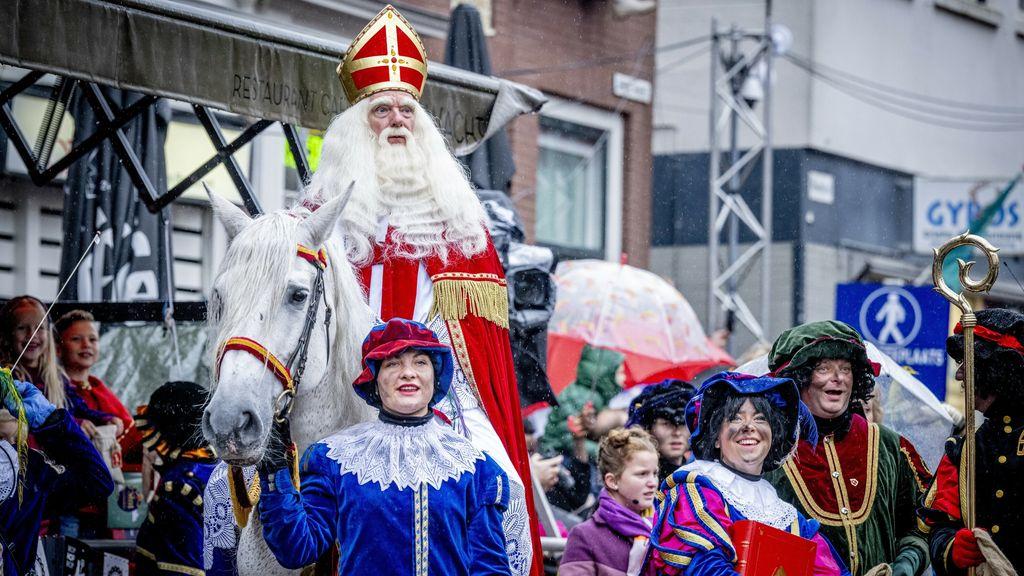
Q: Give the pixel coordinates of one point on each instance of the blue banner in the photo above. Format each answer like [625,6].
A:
[909,323]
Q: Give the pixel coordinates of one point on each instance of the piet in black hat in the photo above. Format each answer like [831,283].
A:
[666,400]
[171,423]
[998,353]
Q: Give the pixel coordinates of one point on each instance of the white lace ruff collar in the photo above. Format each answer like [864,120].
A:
[756,500]
[8,470]
[403,456]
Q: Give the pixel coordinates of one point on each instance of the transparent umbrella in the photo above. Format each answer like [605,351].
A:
[630,310]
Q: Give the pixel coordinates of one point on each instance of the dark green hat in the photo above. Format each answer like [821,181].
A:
[797,350]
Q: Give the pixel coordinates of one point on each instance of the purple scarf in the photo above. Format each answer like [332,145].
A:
[619,518]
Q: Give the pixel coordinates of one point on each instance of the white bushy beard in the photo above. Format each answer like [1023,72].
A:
[405,198]
[419,188]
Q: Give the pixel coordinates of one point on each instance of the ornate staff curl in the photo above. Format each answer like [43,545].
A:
[968,321]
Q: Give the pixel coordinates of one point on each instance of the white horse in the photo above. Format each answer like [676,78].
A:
[262,293]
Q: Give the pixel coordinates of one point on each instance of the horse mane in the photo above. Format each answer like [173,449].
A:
[255,266]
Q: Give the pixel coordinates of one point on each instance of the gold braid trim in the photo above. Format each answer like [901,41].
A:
[462,356]
[457,295]
[913,469]
[843,500]
[806,496]
[929,499]
[696,501]
[243,498]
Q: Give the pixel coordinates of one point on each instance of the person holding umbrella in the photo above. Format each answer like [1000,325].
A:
[999,460]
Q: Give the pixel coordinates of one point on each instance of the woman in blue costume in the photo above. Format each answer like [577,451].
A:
[403,495]
[740,427]
[68,473]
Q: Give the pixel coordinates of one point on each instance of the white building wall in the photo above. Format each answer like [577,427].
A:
[682,91]
[918,47]
[914,45]
[31,239]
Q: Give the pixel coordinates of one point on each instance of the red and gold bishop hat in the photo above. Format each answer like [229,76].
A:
[386,55]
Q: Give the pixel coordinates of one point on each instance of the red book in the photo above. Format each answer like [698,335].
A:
[765,551]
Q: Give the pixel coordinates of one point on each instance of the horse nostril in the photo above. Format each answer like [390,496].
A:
[207,426]
[249,427]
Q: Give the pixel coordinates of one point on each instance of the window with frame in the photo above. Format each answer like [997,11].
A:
[571,182]
[579,181]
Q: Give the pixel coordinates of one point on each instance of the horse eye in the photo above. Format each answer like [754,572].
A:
[299,296]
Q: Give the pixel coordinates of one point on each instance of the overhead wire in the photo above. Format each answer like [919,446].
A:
[900,100]
[899,105]
[684,59]
[1019,110]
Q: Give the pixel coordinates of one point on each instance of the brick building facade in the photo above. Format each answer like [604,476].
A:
[586,142]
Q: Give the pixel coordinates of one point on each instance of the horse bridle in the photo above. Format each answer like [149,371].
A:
[289,374]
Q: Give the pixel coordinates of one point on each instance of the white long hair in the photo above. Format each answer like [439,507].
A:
[439,213]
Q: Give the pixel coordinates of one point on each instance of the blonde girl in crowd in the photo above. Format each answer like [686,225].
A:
[19,317]
[615,538]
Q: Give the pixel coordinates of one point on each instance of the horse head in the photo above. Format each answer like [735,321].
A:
[285,304]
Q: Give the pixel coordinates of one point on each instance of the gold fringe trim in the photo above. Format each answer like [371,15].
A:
[454,299]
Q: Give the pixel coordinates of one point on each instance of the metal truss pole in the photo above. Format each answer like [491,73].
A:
[726,205]
[714,160]
[767,172]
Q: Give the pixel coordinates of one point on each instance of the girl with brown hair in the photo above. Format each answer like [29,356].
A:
[615,538]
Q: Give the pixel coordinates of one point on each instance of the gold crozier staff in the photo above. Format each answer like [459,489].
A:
[968,321]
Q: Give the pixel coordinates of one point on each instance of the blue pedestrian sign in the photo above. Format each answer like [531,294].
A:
[909,323]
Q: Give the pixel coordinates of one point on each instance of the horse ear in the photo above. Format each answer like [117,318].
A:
[320,222]
[232,217]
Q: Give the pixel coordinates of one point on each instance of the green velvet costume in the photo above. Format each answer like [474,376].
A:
[861,481]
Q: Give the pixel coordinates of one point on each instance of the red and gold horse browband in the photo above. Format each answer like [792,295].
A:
[317,258]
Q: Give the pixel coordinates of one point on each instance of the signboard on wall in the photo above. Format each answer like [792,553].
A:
[909,323]
[945,208]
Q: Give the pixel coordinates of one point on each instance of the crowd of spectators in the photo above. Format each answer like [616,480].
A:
[566,443]
[72,442]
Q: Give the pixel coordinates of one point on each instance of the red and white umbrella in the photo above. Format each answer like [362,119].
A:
[633,311]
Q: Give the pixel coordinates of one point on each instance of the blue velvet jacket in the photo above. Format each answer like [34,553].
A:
[449,525]
[170,541]
[69,473]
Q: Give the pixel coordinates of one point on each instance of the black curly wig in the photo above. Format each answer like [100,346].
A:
[666,400]
[728,405]
[998,370]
